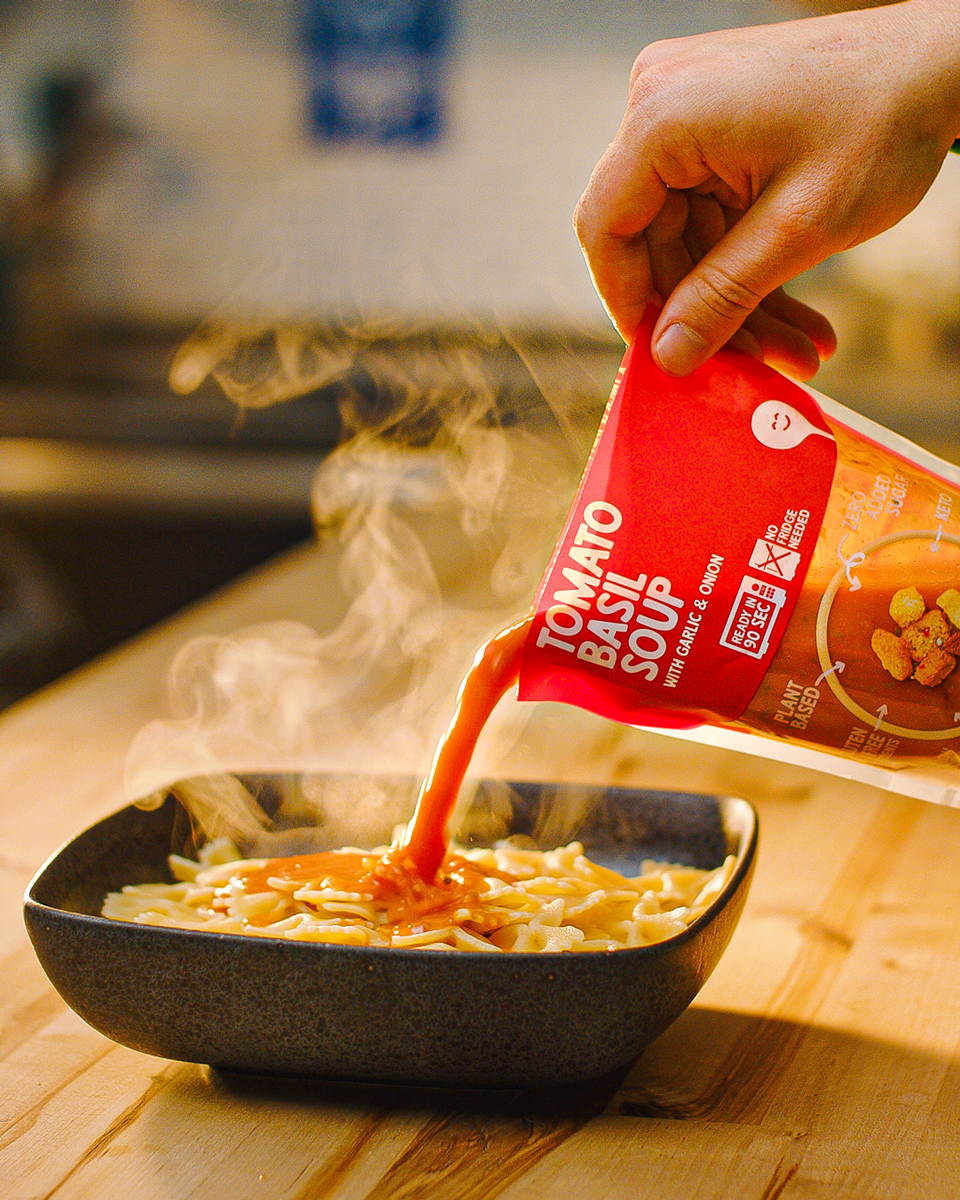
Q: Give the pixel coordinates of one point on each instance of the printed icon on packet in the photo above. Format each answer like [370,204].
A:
[781,427]
[774,559]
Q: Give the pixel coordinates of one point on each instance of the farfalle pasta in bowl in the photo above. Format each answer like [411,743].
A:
[513,982]
[501,899]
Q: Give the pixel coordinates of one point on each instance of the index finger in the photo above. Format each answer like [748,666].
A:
[623,197]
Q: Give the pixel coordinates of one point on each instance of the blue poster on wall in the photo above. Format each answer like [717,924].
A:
[376,68]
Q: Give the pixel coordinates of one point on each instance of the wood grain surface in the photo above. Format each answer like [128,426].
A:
[822,1059]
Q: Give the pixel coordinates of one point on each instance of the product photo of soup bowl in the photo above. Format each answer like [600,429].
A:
[272,1006]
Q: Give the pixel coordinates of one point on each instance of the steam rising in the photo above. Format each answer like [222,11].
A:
[436,516]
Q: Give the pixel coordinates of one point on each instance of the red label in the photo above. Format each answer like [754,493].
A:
[686,548]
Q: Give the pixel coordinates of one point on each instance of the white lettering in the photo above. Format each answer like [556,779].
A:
[553,618]
[600,508]
[603,656]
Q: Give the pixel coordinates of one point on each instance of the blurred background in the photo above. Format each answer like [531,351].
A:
[211,172]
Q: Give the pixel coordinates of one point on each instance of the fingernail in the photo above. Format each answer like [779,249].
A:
[679,350]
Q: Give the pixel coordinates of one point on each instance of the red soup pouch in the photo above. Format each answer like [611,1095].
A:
[750,564]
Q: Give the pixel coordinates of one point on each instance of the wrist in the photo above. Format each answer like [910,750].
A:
[933,28]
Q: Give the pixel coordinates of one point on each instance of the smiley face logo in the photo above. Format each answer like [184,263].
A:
[780,420]
[781,426]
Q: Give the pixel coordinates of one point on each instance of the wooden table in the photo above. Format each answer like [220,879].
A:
[821,1059]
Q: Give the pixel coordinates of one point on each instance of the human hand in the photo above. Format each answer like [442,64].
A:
[747,156]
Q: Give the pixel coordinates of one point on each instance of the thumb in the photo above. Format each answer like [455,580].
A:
[772,242]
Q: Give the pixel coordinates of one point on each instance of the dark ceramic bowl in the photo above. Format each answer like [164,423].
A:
[270,1006]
